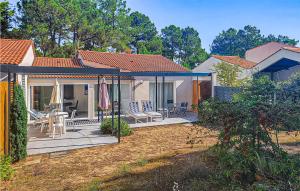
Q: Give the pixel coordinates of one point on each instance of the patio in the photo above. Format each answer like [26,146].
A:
[161,92]
[87,134]
[80,137]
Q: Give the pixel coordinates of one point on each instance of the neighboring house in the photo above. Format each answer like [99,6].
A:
[210,63]
[38,88]
[277,60]
[262,52]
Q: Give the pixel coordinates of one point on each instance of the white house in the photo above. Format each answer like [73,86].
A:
[82,89]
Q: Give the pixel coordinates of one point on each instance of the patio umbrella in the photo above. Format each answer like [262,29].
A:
[103,96]
[55,96]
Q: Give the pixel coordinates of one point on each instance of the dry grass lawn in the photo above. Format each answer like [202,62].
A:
[75,169]
[156,158]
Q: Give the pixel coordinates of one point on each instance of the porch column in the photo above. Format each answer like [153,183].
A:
[156,94]
[62,96]
[112,102]
[98,96]
[91,101]
[163,96]
[119,109]
[197,91]
[28,100]
[213,83]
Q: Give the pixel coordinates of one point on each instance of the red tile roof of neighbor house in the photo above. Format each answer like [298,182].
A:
[294,49]
[236,61]
[130,62]
[12,51]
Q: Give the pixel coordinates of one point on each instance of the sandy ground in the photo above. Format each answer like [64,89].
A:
[72,170]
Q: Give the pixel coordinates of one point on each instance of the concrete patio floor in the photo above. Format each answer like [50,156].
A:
[81,137]
[87,134]
[190,117]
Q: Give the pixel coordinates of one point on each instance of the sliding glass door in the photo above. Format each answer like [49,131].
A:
[40,96]
[125,95]
[169,93]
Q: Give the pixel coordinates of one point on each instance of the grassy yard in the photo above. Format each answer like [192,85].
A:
[76,169]
[156,158]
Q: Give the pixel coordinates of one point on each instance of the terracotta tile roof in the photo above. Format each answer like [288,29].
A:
[57,62]
[62,62]
[12,51]
[294,49]
[131,62]
[236,60]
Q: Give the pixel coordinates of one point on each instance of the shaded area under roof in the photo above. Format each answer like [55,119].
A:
[283,64]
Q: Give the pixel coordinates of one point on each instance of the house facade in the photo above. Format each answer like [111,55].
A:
[83,89]
[279,61]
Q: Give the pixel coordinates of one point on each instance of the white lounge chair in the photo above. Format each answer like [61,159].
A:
[148,110]
[134,112]
[40,119]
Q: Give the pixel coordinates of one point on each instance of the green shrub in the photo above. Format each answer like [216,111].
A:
[106,127]
[142,162]
[124,169]
[6,171]
[94,185]
[246,153]
[18,125]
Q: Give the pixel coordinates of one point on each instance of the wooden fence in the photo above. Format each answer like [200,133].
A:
[3,117]
[204,91]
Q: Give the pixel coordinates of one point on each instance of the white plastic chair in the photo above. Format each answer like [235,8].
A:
[57,122]
[72,119]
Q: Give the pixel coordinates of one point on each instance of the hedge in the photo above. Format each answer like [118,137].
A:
[18,125]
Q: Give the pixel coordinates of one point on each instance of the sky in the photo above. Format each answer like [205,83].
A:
[210,17]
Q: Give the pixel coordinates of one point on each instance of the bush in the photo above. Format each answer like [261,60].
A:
[124,169]
[142,162]
[106,127]
[246,152]
[6,171]
[18,125]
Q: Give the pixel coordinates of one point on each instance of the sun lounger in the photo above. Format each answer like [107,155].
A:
[134,112]
[40,119]
[148,110]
